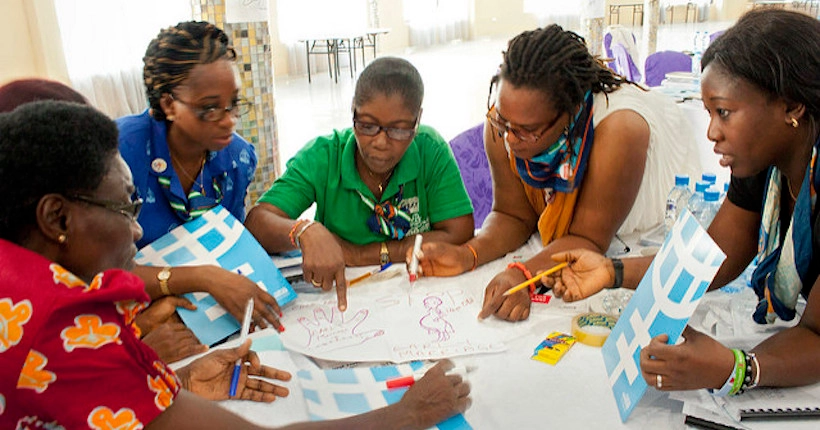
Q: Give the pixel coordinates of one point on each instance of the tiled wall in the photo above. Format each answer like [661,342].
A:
[252,43]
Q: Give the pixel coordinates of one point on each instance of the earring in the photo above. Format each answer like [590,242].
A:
[169,118]
[795,124]
[61,238]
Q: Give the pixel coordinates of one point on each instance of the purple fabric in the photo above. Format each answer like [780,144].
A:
[714,36]
[657,65]
[468,148]
[624,65]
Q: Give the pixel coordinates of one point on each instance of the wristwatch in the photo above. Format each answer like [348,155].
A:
[163,276]
[618,265]
[384,254]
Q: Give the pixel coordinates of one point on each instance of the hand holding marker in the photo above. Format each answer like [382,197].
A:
[243,335]
[414,260]
[408,381]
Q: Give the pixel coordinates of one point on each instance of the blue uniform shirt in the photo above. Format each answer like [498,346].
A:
[144,146]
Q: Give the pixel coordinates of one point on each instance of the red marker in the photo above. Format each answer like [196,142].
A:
[400,382]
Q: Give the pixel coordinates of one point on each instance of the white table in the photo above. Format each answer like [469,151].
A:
[511,391]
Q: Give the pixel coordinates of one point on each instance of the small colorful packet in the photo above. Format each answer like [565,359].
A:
[551,349]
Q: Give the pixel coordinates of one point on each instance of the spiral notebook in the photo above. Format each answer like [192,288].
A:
[774,403]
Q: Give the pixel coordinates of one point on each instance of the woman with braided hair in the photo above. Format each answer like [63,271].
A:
[576,152]
[186,158]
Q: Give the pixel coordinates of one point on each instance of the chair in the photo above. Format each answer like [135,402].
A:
[714,36]
[468,148]
[624,36]
[657,65]
[624,65]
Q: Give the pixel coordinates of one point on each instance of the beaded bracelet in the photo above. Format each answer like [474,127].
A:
[475,256]
[293,229]
[748,381]
[302,230]
[520,266]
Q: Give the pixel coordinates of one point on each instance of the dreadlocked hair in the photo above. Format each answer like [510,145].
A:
[558,63]
[175,51]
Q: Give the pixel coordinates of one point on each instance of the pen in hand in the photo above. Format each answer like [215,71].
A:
[243,335]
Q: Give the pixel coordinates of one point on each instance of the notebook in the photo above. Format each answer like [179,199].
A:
[775,403]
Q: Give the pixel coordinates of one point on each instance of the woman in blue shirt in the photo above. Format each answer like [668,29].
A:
[186,158]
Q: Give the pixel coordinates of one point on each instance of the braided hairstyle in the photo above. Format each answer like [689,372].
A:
[49,147]
[175,51]
[558,63]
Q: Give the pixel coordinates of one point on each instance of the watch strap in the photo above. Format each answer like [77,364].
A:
[618,265]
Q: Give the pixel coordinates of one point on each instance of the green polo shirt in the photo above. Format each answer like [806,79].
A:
[324,172]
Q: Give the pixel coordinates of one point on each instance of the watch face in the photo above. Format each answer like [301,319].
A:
[164,275]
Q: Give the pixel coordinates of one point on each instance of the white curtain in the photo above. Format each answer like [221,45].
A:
[566,13]
[104,42]
[298,20]
[433,22]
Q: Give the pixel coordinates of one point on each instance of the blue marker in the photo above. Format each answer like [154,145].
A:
[243,335]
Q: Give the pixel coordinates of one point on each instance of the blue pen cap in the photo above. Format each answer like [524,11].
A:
[682,180]
[709,177]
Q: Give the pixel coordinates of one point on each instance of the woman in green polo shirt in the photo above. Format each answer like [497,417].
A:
[375,185]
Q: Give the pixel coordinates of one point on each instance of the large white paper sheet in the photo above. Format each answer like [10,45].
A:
[388,321]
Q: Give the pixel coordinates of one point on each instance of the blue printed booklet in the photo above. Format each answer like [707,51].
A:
[216,238]
[663,303]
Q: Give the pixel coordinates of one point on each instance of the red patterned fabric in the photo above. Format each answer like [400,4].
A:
[68,351]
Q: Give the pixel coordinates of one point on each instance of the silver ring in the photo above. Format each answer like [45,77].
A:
[658,381]
[315,284]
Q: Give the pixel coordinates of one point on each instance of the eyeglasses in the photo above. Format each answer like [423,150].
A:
[502,126]
[130,210]
[214,113]
[370,129]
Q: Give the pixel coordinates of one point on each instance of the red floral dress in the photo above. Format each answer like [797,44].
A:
[69,351]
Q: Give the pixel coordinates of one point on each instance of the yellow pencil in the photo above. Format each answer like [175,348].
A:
[532,280]
[358,279]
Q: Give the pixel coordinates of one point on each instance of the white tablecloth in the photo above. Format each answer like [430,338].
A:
[510,390]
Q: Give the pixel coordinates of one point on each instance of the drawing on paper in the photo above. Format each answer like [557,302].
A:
[339,330]
[434,321]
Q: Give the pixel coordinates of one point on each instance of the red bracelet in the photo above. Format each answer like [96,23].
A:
[520,266]
[475,256]
[292,234]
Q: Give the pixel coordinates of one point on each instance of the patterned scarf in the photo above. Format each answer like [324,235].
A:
[387,218]
[783,267]
[561,167]
[197,203]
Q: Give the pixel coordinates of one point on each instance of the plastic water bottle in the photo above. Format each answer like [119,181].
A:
[723,194]
[711,178]
[743,281]
[707,208]
[697,196]
[676,200]
[697,53]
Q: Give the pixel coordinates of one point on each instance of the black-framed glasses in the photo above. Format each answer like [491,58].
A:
[214,113]
[130,210]
[503,126]
[370,129]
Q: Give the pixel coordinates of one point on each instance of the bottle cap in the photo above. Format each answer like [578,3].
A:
[701,186]
[711,195]
[682,180]
[709,177]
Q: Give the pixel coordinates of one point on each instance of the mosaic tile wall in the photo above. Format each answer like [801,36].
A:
[252,43]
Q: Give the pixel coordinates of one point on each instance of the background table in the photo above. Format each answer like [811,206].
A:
[331,45]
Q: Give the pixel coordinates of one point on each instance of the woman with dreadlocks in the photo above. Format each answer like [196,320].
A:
[186,158]
[576,152]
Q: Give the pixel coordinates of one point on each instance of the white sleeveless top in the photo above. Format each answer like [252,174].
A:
[672,150]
